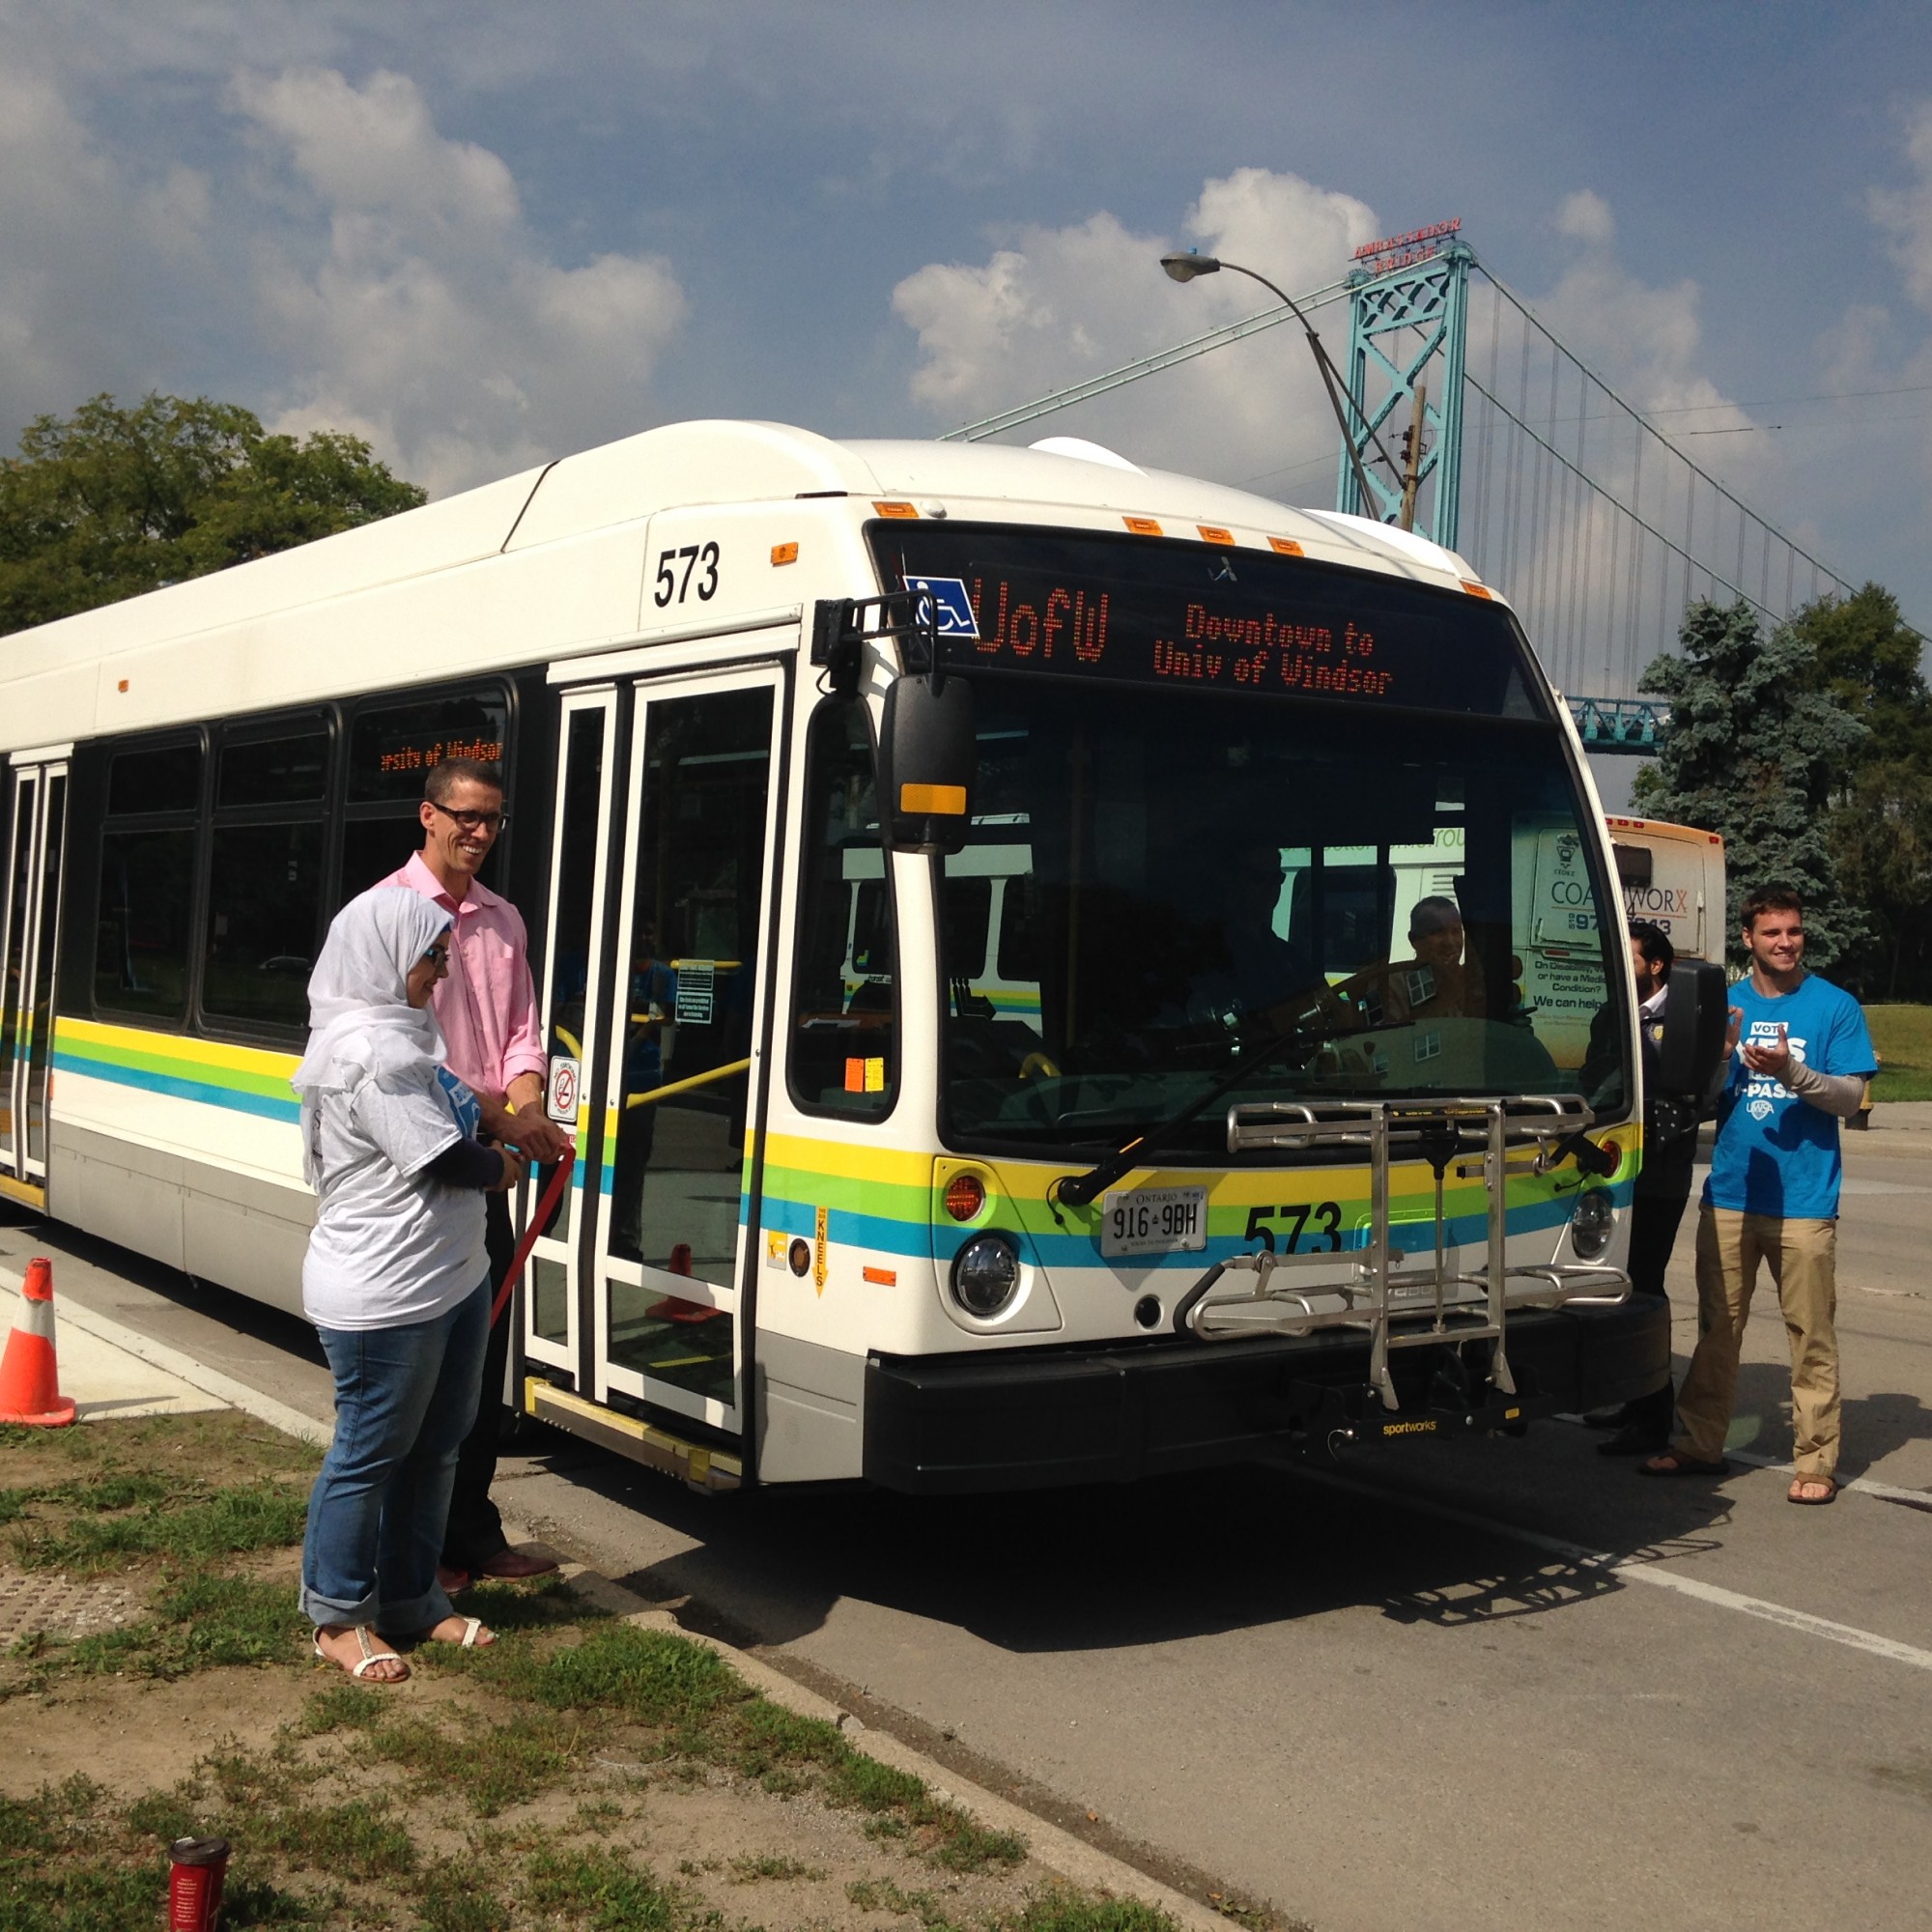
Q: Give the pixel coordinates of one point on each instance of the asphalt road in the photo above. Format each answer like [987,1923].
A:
[1449,1685]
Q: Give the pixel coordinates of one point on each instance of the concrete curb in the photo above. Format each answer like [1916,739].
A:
[1060,1852]
[184,1367]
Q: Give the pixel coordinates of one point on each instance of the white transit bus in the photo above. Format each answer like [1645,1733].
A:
[970,894]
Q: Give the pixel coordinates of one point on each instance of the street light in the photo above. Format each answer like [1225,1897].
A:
[1184,269]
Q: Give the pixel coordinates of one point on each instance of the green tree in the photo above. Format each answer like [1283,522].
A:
[112,501]
[1867,657]
[1881,819]
[1755,751]
[1881,830]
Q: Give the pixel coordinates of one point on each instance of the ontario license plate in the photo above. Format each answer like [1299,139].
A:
[1153,1221]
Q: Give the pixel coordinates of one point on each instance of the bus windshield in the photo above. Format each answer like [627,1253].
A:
[1160,882]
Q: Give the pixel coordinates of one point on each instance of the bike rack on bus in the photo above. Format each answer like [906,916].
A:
[1477,1138]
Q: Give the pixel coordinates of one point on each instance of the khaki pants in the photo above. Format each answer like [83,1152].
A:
[1801,1256]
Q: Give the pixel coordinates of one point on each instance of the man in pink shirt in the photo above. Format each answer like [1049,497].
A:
[488,1010]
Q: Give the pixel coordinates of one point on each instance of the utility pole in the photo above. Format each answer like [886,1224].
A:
[1411,454]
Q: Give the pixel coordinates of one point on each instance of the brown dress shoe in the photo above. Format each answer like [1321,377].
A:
[513,1565]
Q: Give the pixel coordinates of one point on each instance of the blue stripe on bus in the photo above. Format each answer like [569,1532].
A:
[915,1240]
[178,1089]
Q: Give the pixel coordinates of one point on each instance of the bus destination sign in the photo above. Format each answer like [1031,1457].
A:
[1102,609]
[1026,619]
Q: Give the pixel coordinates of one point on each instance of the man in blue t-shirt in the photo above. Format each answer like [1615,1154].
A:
[1799,1058]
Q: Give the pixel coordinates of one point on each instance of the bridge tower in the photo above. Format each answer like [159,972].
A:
[1408,334]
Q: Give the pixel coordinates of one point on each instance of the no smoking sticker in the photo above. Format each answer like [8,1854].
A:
[560,1092]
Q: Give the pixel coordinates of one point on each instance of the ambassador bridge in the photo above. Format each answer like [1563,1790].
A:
[1463,417]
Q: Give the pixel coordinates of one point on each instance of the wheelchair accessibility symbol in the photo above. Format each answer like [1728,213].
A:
[945,600]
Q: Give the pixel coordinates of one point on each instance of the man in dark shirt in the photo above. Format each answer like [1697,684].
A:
[1663,1184]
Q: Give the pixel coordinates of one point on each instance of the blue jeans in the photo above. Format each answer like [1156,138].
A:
[405,1399]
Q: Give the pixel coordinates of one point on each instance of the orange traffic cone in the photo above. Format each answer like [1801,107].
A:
[29,1381]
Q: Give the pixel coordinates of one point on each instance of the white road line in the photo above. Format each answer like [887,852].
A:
[1860,1485]
[1638,1570]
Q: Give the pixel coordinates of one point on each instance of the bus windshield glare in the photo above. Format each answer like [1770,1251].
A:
[1376,890]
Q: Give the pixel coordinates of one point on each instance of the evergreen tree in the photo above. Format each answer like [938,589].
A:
[113,502]
[1881,819]
[1755,751]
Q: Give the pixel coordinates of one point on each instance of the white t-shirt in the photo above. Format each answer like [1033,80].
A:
[390,1244]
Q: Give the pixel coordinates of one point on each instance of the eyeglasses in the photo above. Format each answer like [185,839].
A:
[438,954]
[492,822]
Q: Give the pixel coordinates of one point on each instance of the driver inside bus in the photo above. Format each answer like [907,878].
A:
[1264,970]
[1438,983]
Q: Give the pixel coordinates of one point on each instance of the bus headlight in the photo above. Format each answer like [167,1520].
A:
[985,1275]
[1591,1221]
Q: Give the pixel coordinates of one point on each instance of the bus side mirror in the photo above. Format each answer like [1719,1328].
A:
[926,755]
[1694,1019]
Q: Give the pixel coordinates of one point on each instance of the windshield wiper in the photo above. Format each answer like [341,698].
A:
[1078,1189]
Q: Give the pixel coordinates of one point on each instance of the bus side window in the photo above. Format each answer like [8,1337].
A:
[844,1030]
[141,953]
[264,876]
[1636,865]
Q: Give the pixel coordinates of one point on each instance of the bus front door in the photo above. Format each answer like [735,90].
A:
[29,921]
[656,1000]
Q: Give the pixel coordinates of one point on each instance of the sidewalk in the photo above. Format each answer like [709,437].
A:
[110,1371]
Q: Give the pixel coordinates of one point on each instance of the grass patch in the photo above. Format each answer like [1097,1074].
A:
[1063,1911]
[195,1530]
[346,1706]
[759,1870]
[456,1897]
[216,1450]
[355,1816]
[205,1620]
[602,1890]
[881,1895]
[701,1710]
[648,1677]
[68,1861]
[1903,1036]
[491,1767]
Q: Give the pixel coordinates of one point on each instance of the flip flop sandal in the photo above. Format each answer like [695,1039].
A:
[1828,1483]
[1671,1464]
[370,1658]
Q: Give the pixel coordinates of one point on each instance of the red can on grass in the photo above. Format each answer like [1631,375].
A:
[194,1882]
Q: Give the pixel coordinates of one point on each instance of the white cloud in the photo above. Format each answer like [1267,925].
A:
[1057,304]
[94,249]
[432,319]
[1643,340]
[1905,214]
[1585,217]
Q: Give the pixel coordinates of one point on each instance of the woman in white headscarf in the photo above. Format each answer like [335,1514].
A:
[395,1280]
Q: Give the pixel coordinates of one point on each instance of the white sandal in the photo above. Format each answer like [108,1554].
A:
[474,1636]
[370,1658]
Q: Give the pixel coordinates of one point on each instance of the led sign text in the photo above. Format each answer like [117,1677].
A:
[1026,625]
[1085,607]
[420,757]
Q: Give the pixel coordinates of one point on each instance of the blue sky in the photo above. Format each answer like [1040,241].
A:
[482,235]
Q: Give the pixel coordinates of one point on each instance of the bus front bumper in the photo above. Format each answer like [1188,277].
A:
[1041,1419]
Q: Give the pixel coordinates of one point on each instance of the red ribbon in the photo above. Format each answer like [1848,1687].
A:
[552,1195]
